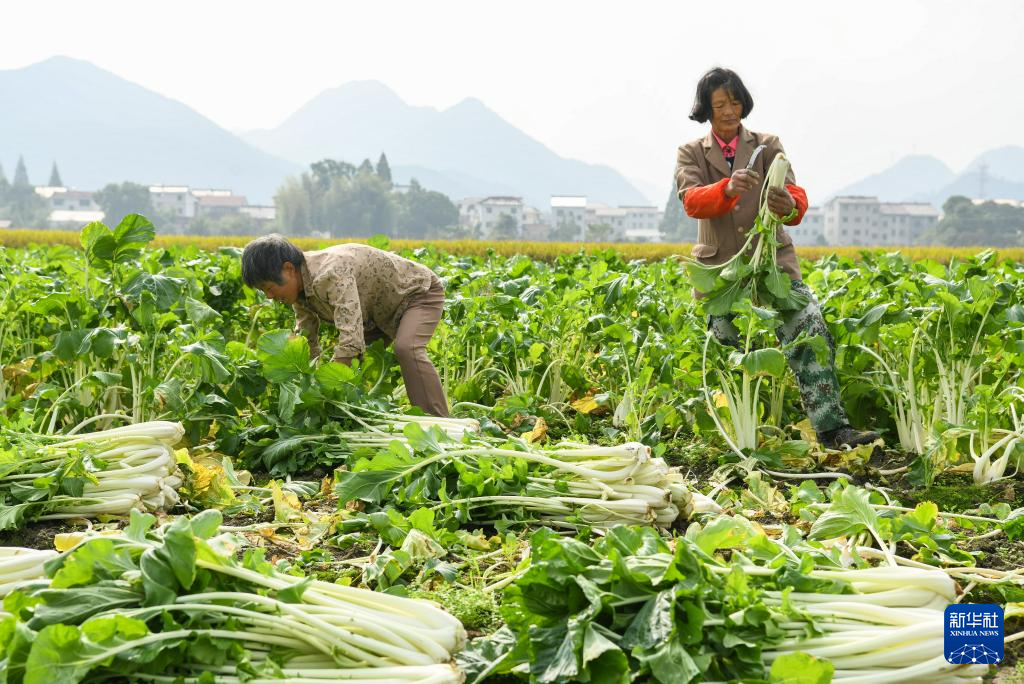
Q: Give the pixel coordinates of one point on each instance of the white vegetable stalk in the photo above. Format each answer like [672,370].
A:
[19,565]
[570,483]
[126,468]
[888,631]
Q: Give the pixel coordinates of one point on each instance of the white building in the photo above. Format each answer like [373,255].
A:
[535,225]
[176,200]
[569,209]
[212,192]
[811,230]
[219,204]
[601,215]
[63,199]
[259,212]
[485,213]
[862,220]
[643,224]
[75,217]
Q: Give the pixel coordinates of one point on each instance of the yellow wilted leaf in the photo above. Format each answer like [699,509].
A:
[17,370]
[538,433]
[66,541]
[588,404]
[287,507]
[720,399]
[853,460]
[585,404]
[807,433]
[181,457]
[206,483]
[474,540]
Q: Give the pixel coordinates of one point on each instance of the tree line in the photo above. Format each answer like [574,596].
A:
[341,199]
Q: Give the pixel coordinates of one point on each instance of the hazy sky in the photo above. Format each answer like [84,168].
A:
[850,87]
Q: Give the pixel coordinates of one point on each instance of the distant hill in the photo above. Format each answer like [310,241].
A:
[921,178]
[915,178]
[462,151]
[101,128]
[1004,175]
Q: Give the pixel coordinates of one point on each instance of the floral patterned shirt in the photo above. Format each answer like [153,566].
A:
[358,288]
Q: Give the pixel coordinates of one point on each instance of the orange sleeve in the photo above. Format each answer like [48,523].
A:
[709,201]
[800,197]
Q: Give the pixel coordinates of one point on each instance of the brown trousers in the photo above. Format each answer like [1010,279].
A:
[422,383]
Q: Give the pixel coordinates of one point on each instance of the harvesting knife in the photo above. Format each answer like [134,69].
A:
[753,157]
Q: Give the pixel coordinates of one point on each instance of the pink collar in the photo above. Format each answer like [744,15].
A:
[728,148]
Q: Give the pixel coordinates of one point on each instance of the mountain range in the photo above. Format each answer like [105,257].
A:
[101,128]
[923,178]
[464,150]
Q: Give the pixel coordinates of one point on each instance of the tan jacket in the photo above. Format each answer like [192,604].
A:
[719,239]
[361,290]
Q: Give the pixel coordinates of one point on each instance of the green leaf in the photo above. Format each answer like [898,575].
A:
[132,234]
[284,356]
[724,532]
[139,524]
[703,277]
[91,234]
[210,362]
[335,377]
[768,361]
[778,283]
[179,549]
[75,604]
[369,485]
[293,594]
[670,662]
[166,291]
[425,442]
[850,512]
[92,561]
[1013,526]
[13,517]
[654,624]
[199,313]
[288,397]
[379,241]
[737,270]
[801,668]
[56,657]
[207,523]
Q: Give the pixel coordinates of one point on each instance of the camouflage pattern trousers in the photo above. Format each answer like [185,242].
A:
[819,386]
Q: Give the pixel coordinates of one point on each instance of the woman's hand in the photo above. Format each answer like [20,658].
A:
[780,201]
[741,181]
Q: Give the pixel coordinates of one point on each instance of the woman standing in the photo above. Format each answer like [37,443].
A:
[718,189]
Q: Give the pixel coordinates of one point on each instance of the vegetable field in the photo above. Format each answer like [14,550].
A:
[186,497]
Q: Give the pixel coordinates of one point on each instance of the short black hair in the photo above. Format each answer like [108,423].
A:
[712,81]
[263,259]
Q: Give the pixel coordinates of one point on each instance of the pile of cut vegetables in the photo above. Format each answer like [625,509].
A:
[53,477]
[174,604]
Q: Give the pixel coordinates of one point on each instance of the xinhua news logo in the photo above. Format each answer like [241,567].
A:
[974,634]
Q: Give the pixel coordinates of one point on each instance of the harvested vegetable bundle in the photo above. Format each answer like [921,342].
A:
[50,477]
[755,275]
[18,565]
[632,606]
[565,486]
[171,605]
